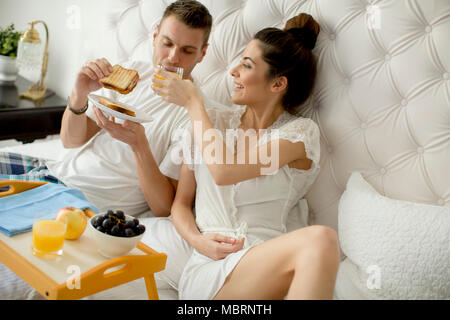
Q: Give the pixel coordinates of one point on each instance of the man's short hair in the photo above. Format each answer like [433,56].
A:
[192,13]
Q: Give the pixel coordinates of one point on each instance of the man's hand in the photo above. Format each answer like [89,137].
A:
[129,132]
[87,79]
[217,246]
[76,130]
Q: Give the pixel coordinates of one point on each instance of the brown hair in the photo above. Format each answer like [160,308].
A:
[289,53]
[192,13]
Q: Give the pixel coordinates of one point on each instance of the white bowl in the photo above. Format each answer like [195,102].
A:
[111,246]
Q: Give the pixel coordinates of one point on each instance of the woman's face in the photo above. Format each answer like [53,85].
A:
[251,84]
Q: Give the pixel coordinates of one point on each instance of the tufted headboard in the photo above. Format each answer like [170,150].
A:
[381,99]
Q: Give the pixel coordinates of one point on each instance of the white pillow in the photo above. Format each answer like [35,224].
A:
[395,249]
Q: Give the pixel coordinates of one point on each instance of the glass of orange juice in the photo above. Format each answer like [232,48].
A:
[48,236]
[174,70]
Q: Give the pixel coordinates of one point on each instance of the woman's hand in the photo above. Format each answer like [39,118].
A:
[175,90]
[217,246]
[129,132]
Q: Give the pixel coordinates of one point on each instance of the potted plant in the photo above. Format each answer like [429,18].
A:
[9,41]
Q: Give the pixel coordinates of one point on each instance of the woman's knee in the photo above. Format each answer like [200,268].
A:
[319,240]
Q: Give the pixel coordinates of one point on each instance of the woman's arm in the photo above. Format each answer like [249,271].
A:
[225,166]
[250,160]
[158,190]
[213,245]
[181,211]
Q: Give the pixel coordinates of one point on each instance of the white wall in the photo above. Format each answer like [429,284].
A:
[75,28]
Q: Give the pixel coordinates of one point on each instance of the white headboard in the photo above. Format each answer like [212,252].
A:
[382,94]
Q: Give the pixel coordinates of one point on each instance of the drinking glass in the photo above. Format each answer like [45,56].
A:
[174,70]
[48,235]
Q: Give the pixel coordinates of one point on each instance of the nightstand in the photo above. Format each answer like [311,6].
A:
[25,120]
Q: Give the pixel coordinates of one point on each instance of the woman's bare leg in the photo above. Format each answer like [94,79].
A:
[301,264]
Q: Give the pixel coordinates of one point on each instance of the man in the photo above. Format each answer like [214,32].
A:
[100,163]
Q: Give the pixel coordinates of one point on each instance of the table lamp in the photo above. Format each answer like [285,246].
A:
[29,56]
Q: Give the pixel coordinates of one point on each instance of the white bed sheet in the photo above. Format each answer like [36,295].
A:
[14,288]
[49,148]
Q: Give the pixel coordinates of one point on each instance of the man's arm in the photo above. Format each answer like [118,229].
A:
[158,190]
[76,130]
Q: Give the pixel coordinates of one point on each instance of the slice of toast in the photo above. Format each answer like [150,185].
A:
[116,106]
[121,80]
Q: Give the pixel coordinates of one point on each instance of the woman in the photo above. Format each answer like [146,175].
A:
[241,248]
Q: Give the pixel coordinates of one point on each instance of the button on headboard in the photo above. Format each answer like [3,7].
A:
[381,99]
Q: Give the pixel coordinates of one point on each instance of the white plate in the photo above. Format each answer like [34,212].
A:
[140,116]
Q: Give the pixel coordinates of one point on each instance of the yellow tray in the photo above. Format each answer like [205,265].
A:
[51,277]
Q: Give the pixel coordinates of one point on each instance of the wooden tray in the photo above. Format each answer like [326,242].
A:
[54,279]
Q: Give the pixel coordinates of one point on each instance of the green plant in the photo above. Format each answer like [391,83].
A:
[9,41]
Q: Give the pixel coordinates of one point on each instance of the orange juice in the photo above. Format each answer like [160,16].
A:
[48,238]
[173,70]
[159,77]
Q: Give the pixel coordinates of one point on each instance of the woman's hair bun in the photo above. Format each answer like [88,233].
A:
[305,36]
[304,29]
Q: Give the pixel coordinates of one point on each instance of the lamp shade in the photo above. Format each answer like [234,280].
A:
[29,55]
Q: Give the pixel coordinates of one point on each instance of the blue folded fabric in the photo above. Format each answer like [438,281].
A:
[17,211]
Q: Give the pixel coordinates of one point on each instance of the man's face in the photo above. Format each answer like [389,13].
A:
[177,45]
